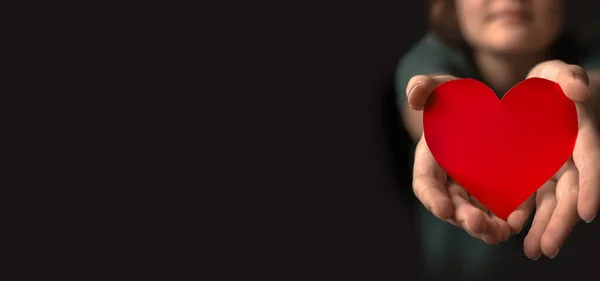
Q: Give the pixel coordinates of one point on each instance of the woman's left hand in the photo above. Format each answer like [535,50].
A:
[574,192]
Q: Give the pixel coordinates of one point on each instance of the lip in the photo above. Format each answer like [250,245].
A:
[511,15]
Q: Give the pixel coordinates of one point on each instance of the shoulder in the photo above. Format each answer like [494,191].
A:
[573,50]
[429,55]
[429,49]
[590,58]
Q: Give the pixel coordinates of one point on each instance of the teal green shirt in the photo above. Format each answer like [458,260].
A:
[430,55]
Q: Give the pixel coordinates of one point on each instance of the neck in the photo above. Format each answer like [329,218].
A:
[505,71]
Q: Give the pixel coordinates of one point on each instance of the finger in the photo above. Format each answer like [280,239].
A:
[466,216]
[429,183]
[478,204]
[586,156]
[564,217]
[546,202]
[472,216]
[517,219]
[499,231]
[420,87]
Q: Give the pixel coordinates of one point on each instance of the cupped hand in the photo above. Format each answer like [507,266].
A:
[437,192]
[574,192]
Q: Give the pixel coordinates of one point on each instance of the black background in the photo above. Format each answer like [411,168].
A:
[321,158]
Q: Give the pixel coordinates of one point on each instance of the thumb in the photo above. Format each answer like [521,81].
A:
[572,79]
[517,219]
[420,87]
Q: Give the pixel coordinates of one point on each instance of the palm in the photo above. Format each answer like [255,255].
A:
[450,202]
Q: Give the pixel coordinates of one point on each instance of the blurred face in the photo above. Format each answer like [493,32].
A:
[510,26]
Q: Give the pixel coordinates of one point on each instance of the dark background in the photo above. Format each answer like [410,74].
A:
[322,140]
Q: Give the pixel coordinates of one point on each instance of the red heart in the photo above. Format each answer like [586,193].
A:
[500,151]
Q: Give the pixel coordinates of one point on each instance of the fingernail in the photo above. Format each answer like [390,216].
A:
[413,87]
[555,254]
[583,83]
[536,258]
[590,220]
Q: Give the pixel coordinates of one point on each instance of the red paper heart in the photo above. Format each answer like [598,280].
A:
[500,151]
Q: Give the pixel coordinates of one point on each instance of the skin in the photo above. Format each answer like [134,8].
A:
[507,49]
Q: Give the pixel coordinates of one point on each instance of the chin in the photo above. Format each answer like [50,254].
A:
[515,45]
[518,39]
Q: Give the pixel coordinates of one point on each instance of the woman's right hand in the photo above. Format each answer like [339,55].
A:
[440,195]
